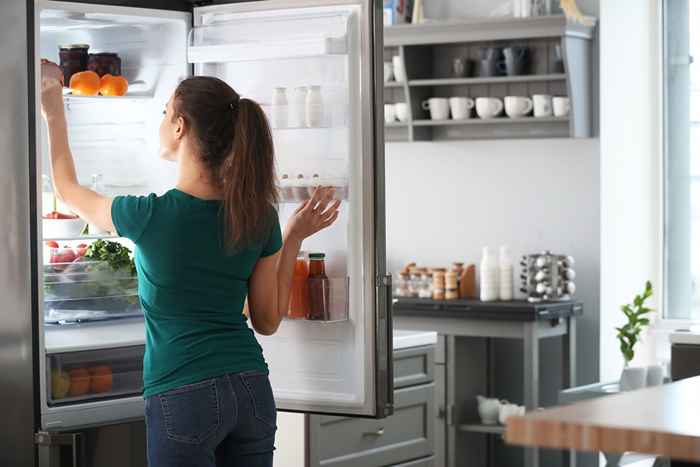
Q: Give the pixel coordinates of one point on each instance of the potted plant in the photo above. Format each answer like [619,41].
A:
[630,334]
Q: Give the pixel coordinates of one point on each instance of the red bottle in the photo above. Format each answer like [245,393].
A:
[319,288]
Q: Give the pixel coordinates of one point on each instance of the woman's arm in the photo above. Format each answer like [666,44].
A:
[89,205]
[271,282]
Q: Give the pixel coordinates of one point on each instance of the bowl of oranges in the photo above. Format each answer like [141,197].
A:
[89,83]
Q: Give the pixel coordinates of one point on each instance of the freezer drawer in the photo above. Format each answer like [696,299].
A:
[88,376]
[406,435]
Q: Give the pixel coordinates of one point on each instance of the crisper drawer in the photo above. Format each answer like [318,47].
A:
[413,366]
[355,442]
[85,376]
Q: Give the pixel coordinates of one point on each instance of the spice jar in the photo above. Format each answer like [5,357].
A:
[451,290]
[104,63]
[426,289]
[402,285]
[438,285]
[73,58]
[414,283]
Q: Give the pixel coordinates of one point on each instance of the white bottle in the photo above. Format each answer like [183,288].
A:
[280,108]
[314,107]
[297,108]
[489,276]
[506,275]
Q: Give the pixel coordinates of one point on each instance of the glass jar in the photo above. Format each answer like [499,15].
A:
[299,295]
[73,58]
[319,288]
[402,280]
[414,284]
[426,289]
[104,63]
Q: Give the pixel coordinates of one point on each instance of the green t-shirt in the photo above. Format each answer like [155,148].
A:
[192,292]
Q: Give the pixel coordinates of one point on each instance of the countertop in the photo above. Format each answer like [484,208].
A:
[405,339]
[661,420]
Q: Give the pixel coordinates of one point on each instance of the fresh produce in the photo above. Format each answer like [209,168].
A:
[79,382]
[60,384]
[52,244]
[61,256]
[100,379]
[59,215]
[80,250]
[113,85]
[85,83]
[115,254]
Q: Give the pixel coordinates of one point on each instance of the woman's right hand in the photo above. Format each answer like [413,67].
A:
[313,215]
[51,90]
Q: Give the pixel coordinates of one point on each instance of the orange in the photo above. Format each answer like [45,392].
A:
[113,85]
[101,379]
[79,382]
[85,83]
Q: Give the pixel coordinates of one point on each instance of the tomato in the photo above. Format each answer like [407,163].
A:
[59,215]
[80,250]
[52,244]
[62,255]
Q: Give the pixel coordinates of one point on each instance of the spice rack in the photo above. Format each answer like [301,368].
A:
[427,51]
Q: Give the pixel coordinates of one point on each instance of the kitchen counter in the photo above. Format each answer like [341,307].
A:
[660,420]
[405,339]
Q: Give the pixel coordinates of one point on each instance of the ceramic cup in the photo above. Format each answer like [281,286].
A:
[655,375]
[401,109]
[461,107]
[633,377]
[517,106]
[488,107]
[389,113]
[560,105]
[543,105]
[439,108]
[399,70]
[488,409]
[388,71]
[516,60]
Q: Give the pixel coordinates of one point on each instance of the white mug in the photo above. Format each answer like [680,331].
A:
[439,108]
[543,105]
[401,109]
[461,107]
[388,71]
[560,106]
[389,113]
[488,107]
[399,70]
[517,106]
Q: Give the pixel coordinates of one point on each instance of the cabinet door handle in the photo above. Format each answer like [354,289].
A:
[377,433]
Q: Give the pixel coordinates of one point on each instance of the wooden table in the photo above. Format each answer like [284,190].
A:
[663,420]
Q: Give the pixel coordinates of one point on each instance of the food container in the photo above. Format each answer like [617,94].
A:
[73,58]
[62,228]
[104,63]
[84,290]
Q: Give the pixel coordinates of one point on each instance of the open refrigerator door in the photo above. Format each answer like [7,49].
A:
[311,65]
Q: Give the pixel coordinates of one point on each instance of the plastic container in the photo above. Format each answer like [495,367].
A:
[505,269]
[62,228]
[314,107]
[489,276]
[280,108]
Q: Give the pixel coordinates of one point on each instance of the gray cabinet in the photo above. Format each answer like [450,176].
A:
[405,439]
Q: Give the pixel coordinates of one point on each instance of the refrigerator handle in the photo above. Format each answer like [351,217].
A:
[385,345]
[50,445]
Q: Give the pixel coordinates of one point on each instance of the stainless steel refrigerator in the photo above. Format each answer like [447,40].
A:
[71,329]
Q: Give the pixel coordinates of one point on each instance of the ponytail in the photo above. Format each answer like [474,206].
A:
[235,143]
[248,177]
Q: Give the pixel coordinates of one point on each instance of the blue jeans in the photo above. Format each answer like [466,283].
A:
[228,421]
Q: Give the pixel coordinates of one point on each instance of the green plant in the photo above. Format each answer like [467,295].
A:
[636,312]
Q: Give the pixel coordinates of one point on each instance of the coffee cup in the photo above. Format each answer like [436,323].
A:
[388,71]
[401,109]
[389,113]
[560,106]
[399,70]
[461,107]
[488,107]
[439,108]
[516,60]
[542,105]
[517,106]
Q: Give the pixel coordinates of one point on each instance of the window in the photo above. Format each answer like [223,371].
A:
[681,37]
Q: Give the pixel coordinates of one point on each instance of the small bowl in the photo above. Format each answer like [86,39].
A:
[62,228]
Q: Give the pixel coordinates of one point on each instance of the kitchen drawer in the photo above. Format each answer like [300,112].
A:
[413,366]
[440,351]
[356,442]
[425,462]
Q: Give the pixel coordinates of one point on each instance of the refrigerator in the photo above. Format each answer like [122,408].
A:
[72,332]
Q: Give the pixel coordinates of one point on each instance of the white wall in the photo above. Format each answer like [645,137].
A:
[630,193]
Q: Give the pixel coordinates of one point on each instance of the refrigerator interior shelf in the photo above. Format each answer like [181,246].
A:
[95,336]
[71,99]
[268,50]
[82,237]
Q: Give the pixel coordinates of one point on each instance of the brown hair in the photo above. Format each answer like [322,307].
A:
[235,142]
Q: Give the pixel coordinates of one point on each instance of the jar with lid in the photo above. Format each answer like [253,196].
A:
[438,285]
[414,282]
[314,107]
[319,288]
[73,58]
[105,63]
[299,294]
[451,290]
[426,289]
[402,285]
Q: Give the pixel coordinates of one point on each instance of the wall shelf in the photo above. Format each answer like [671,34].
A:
[481,428]
[560,65]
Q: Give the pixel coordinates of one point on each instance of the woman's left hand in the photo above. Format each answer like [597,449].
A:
[51,90]
[314,215]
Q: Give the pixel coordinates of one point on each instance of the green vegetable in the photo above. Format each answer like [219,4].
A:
[115,254]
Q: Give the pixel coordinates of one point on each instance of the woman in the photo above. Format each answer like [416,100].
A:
[201,249]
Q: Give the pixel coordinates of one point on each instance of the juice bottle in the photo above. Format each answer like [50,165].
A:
[319,288]
[299,296]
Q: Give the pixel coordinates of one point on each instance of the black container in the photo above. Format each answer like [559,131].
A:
[104,63]
[73,58]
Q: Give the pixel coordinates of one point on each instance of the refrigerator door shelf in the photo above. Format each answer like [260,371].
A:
[336,309]
[244,52]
